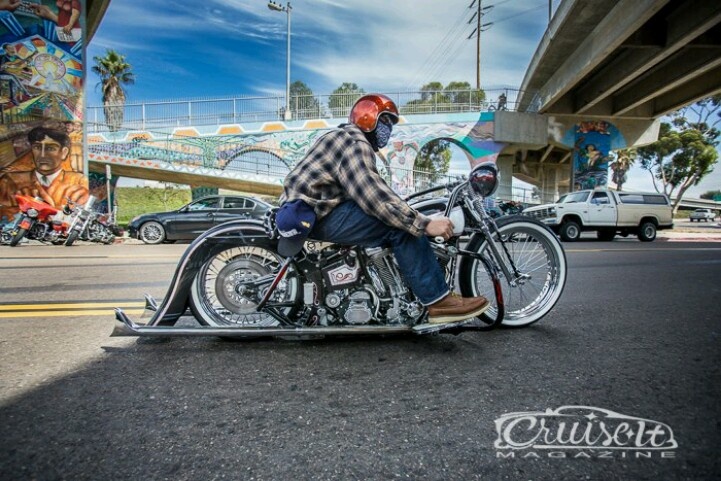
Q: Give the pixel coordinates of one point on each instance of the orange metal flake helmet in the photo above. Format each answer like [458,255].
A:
[368,108]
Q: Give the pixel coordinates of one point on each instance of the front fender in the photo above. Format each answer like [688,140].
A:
[229,234]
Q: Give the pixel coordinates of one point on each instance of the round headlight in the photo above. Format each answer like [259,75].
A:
[484,179]
[32,212]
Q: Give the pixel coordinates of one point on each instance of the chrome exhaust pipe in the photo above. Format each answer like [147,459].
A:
[124,326]
[150,303]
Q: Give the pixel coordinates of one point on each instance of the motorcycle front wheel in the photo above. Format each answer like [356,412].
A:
[541,262]
[72,237]
[18,237]
[225,292]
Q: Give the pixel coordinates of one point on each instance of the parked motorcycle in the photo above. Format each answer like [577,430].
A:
[8,231]
[511,207]
[87,224]
[502,208]
[35,221]
[235,283]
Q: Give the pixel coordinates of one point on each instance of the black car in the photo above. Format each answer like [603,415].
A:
[193,219]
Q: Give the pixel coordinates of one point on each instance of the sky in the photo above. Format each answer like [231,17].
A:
[218,48]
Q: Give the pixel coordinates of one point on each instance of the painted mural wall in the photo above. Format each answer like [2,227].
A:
[41,103]
[592,142]
[227,151]
[475,138]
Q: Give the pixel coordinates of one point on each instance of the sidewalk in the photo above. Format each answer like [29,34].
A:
[685,230]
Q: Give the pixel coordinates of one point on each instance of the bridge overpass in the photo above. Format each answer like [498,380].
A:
[255,156]
[615,59]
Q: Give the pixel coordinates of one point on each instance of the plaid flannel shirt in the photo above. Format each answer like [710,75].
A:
[341,166]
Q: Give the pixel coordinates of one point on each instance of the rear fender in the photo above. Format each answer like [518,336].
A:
[229,234]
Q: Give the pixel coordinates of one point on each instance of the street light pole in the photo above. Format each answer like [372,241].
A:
[287,9]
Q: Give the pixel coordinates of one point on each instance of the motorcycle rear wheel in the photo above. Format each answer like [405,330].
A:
[221,294]
[18,237]
[537,253]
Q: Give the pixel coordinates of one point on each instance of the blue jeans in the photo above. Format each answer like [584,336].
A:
[347,224]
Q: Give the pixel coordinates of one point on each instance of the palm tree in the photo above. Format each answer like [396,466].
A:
[625,158]
[114,73]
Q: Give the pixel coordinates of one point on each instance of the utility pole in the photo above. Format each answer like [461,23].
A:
[478,46]
[550,7]
[480,27]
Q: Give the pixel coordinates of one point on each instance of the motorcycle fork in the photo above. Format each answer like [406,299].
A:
[492,268]
[488,228]
[494,271]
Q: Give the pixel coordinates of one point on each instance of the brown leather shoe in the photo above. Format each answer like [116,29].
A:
[454,308]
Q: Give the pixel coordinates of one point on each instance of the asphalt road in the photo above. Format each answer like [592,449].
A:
[636,332]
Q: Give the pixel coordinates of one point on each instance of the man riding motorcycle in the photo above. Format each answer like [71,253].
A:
[336,194]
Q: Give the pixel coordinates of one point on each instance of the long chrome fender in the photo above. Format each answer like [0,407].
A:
[229,234]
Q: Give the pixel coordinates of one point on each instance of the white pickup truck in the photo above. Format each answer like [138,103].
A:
[606,212]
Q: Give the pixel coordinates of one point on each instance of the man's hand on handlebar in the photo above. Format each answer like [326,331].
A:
[440,227]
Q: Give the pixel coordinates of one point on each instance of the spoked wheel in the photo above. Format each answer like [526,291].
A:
[227,290]
[541,264]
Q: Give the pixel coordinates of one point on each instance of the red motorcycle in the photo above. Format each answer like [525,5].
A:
[35,222]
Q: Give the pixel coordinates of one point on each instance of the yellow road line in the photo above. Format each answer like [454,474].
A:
[86,305]
[103,312]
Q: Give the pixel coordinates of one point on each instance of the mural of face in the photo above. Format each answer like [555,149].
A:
[48,155]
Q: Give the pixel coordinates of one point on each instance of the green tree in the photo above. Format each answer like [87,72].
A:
[432,92]
[343,98]
[711,194]
[114,73]
[303,102]
[432,162]
[625,159]
[462,93]
[437,98]
[686,149]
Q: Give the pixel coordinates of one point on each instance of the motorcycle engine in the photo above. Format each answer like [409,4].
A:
[357,307]
[359,288]
[352,302]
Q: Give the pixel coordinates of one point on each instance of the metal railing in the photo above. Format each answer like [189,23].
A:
[246,109]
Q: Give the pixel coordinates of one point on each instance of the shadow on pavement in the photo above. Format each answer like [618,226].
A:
[204,408]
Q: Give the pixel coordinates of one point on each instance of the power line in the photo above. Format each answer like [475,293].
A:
[439,52]
[446,51]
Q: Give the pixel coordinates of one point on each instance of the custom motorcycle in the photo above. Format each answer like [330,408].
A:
[87,224]
[235,284]
[35,222]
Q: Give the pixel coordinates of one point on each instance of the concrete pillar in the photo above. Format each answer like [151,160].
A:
[505,169]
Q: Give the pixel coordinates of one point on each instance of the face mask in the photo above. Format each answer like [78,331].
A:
[383,134]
